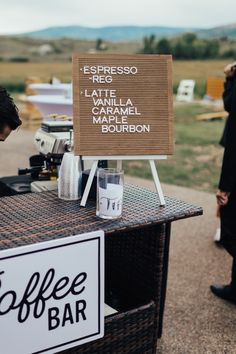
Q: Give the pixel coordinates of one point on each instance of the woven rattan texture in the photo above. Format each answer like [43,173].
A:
[134,251]
[134,267]
[36,217]
[133,263]
[129,332]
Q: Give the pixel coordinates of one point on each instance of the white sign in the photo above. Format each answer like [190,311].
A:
[52,294]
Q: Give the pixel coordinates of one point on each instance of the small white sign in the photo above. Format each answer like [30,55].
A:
[52,294]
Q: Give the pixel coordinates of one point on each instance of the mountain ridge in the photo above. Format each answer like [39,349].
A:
[111,33]
[228,31]
[128,33]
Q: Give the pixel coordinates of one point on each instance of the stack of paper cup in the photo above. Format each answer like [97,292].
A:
[69,177]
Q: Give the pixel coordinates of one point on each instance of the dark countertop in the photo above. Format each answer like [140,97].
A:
[37,217]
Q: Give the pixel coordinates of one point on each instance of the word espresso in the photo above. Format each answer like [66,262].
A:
[41,289]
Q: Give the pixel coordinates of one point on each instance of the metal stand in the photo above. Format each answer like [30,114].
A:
[89,183]
[119,165]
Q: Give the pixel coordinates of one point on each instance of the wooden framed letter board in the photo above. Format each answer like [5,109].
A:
[122,105]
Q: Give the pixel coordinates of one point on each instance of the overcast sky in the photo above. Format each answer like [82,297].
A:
[18,16]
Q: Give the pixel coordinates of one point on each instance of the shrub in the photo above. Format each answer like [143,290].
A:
[19,59]
[17,87]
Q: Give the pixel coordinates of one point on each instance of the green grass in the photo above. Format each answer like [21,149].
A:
[190,131]
[13,75]
[197,159]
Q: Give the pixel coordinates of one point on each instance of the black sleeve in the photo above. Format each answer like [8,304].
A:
[228,170]
[228,93]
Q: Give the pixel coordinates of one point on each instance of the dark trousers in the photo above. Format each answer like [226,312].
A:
[233,276]
[228,233]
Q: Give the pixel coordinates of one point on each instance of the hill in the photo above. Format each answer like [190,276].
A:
[228,31]
[129,33]
[113,33]
[20,49]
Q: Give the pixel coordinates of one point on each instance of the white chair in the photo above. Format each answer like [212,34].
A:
[185,90]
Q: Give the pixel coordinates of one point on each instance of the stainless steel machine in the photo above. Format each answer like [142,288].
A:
[54,137]
[52,140]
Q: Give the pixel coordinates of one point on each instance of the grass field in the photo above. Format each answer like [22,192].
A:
[13,75]
[197,159]
[198,71]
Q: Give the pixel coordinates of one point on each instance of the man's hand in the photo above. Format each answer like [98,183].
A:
[222,198]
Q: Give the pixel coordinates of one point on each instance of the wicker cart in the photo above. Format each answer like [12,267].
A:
[136,257]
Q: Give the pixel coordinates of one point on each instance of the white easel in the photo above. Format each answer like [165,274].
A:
[119,159]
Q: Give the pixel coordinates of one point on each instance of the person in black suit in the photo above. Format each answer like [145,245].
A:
[9,117]
[226,195]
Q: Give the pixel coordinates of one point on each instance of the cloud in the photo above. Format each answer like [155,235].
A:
[25,15]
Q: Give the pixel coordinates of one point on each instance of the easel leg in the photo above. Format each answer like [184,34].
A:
[89,183]
[157,182]
[119,164]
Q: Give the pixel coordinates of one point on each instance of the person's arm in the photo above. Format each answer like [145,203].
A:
[229,72]
[227,94]
[228,171]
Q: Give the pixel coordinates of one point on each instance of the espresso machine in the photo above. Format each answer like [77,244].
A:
[52,140]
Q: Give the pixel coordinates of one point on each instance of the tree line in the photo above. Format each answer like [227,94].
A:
[187,46]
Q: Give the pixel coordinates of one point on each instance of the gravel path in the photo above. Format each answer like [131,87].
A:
[195,321]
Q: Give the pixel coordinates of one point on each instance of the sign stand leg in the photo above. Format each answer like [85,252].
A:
[119,164]
[157,182]
[89,183]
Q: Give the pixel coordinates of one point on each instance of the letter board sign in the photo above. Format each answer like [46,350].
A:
[122,105]
[52,294]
